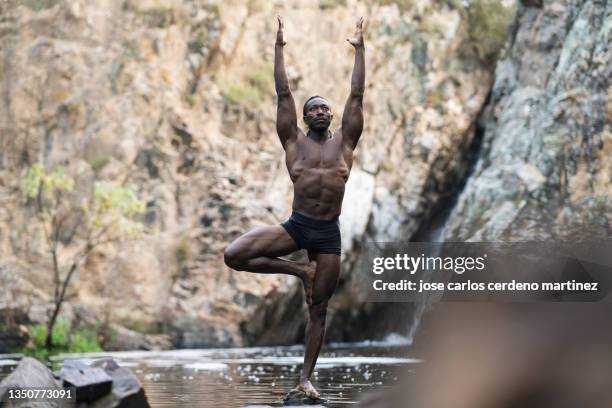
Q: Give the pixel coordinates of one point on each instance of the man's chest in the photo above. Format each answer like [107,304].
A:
[309,155]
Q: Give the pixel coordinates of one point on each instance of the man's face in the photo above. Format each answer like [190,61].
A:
[318,114]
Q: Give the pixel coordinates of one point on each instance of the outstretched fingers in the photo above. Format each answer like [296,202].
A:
[280,36]
[357,39]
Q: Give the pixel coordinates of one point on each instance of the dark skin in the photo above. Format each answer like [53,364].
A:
[319,162]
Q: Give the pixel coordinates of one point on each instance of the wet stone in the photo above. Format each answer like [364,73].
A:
[298,398]
[127,392]
[30,373]
[90,383]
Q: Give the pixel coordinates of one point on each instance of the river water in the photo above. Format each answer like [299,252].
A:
[259,376]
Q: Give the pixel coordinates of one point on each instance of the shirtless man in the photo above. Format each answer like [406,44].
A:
[319,162]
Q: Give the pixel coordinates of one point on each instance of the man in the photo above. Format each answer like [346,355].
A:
[319,162]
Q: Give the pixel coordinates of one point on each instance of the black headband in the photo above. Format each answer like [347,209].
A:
[310,99]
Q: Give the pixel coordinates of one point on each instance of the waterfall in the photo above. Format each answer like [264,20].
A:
[433,229]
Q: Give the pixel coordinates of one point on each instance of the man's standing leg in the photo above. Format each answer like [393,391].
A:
[326,281]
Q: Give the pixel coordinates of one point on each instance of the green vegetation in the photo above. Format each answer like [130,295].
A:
[36,180]
[403,5]
[157,17]
[190,99]
[436,97]
[488,22]
[139,326]
[106,216]
[430,26]
[98,164]
[114,204]
[258,83]
[38,5]
[181,252]
[131,49]
[65,340]
[330,4]
[262,78]
[238,92]
[198,43]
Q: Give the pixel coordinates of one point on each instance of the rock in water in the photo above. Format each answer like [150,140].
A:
[90,383]
[296,397]
[108,364]
[127,392]
[30,373]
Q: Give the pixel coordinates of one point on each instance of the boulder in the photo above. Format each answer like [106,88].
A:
[103,384]
[90,383]
[30,373]
[126,392]
[298,398]
[125,339]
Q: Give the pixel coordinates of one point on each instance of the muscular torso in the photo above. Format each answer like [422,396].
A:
[319,171]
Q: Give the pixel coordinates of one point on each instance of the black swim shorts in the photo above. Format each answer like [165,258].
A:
[316,236]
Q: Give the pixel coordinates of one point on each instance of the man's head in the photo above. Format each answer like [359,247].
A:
[317,113]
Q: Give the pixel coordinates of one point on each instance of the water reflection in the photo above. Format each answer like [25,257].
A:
[256,377]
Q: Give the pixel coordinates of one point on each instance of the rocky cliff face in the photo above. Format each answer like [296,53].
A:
[176,97]
[545,168]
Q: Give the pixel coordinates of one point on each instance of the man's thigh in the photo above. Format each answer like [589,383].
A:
[269,241]
[326,279]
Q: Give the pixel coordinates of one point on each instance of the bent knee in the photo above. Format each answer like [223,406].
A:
[232,258]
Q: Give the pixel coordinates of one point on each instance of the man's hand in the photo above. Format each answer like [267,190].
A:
[280,37]
[357,40]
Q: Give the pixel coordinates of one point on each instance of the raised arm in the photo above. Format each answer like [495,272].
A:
[352,118]
[286,117]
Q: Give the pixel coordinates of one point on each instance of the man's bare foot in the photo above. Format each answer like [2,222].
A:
[310,272]
[307,388]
